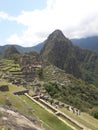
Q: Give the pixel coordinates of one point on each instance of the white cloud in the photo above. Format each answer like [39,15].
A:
[6,16]
[14,39]
[76,18]
[3,15]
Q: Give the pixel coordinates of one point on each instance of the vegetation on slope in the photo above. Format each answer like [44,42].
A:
[70,90]
[50,119]
[11,52]
[30,109]
[81,63]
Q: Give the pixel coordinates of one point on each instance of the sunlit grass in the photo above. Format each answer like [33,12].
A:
[50,119]
[84,119]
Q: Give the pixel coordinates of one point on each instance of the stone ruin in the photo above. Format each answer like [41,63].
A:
[74,110]
[4,88]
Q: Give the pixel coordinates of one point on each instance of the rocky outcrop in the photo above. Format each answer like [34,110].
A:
[15,121]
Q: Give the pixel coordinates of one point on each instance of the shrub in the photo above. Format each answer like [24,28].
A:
[95,113]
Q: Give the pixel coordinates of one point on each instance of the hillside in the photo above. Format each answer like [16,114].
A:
[63,88]
[89,42]
[77,92]
[81,63]
[17,107]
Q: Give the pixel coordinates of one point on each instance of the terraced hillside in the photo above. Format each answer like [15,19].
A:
[58,86]
[15,103]
[68,89]
[11,72]
[32,111]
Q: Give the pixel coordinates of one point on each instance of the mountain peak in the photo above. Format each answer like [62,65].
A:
[57,32]
[10,51]
[58,35]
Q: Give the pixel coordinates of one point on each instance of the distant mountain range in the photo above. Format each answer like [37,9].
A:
[89,43]
[21,49]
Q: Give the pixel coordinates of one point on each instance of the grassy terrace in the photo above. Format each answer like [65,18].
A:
[50,120]
[29,108]
[84,119]
[12,88]
[9,68]
[9,65]
[9,94]
[16,102]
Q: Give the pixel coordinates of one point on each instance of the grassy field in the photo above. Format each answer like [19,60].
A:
[51,120]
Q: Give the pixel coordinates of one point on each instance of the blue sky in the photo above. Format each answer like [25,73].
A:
[14,7]
[29,22]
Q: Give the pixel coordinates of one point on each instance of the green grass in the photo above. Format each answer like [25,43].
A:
[5,68]
[50,119]
[15,69]
[12,88]
[0,73]
[46,127]
[20,105]
[51,122]
[9,65]
[17,103]
[2,98]
[89,119]
[84,119]
[9,94]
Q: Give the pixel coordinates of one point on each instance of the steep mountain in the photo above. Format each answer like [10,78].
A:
[81,63]
[89,42]
[10,52]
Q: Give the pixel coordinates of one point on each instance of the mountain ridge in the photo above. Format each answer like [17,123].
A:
[21,49]
[90,43]
[81,63]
